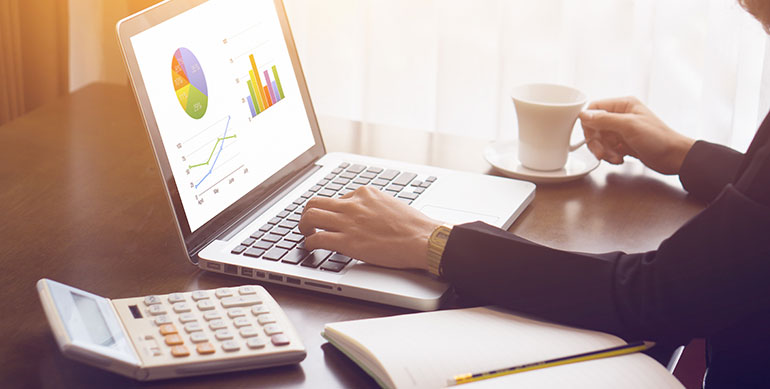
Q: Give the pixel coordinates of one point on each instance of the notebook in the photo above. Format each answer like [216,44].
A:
[232,127]
[425,350]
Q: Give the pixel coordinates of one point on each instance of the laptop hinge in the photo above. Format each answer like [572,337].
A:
[263,206]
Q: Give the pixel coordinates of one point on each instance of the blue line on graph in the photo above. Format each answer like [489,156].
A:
[218,152]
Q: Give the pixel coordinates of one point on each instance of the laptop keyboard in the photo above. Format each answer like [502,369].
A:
[280,239]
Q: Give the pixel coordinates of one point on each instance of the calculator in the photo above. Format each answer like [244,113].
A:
[172,335]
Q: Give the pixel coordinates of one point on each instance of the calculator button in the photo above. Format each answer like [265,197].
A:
[175,298]
[248,332]
[230,346]
[217,324]
[200,295]
[272,329]
[181,307]
[235,312]
[167,329]
[247,289]
[224,292]
[280,340]
[241,322]
[192,327]
[180,351]
[241,301]
[223,334]
[259,310]
[197,337]
[266,319]
[157,310]
[205,348]
[256,342]
[213,315]
[162,319]
[186,317]
[205,305]
[173,340]
[151,300]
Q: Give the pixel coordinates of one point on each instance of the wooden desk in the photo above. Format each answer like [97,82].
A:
[81,203]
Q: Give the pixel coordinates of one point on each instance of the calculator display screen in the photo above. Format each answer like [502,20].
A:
[93,320]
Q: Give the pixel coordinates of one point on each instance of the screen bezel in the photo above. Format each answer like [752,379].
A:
[195,241]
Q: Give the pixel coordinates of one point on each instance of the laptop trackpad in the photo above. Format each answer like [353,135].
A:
[456,216]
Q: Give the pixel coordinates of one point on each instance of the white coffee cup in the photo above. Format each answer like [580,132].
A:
[546,115]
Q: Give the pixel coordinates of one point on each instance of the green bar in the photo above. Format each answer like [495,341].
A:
[277,82]
[254,85]
[253,97]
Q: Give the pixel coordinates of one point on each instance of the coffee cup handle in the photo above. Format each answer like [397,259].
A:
[577,145]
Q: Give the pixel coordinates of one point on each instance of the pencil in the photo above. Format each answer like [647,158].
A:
[598,354]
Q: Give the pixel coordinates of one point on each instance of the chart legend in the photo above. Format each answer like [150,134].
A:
[189,83]
[263,96]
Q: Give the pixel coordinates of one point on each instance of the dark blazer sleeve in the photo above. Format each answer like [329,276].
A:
[707,168]
[708,275]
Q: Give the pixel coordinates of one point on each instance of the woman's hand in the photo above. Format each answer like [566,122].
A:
[369,225]
[618,127]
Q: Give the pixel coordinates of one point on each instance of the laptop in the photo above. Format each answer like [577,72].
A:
[232,127]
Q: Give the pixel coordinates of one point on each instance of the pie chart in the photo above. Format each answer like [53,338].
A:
[189,83]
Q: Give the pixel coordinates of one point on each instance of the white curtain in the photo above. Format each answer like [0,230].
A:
[449,65]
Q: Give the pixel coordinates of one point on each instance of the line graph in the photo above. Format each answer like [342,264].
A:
[219,142]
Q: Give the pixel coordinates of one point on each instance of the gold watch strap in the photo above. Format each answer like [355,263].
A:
[436,245]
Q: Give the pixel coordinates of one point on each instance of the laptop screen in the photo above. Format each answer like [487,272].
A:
[226,101]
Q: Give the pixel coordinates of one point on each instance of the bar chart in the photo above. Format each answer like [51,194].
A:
[263,95]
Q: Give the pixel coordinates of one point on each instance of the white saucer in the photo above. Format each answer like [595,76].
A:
[504,157]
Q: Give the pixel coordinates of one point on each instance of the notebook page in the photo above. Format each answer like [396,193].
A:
[627,371]
[426,349]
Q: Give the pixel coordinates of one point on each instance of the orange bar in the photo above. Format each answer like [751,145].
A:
[267,92]
[259,83]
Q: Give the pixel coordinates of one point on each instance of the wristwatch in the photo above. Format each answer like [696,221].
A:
[436,244]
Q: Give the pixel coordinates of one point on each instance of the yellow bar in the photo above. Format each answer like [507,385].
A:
[258,85]
[262,105]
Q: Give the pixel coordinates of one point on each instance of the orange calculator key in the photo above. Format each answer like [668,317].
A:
[206,348]
[173,340]
[180,351]
[167,329]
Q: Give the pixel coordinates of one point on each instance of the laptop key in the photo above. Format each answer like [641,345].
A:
[430,179]
[330,176]
[374,169]
[348,175]
[294,256]
[404,178]
[368,175]
[266,227]
[337,257]
[389,174]
[380,182]
[263,244]
[239,249]
[308,194]
[294,217]
[395,187]
[286,244]
[344,165]
[248,241]
[315,188]
[288,224]
[337,170]
[391,192]
[280,231]
[254,252]
[290,207]
[362,181]
[419,190]
[295,237]
[356,168]
[274,254]
[408,195]
[326,193]
[416,183]
[299,200]
[256,234]
[322,182]
[341,181]
[274,220]
[272,238]
[332,266]
[334,187]
[316,258]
